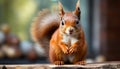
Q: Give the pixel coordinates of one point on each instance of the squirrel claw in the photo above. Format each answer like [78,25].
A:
[58,62]
[81,63]
[71,50]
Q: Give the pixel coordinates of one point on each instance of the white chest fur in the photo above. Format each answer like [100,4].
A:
[69,40]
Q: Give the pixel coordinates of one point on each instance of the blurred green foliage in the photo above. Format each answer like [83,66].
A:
[18,14]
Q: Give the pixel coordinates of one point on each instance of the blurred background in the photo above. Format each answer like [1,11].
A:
[100,20]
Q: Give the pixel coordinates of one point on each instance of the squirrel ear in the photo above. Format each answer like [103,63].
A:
[61,11]
[77,10]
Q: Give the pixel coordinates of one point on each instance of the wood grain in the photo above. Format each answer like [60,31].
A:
[106,65]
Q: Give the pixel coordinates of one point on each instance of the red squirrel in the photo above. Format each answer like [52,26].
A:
[63,34]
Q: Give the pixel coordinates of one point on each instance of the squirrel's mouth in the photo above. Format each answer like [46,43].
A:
[70,33]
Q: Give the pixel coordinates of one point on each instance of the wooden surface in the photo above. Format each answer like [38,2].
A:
[108,65]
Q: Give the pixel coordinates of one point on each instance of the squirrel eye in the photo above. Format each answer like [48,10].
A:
[77,22]
[62,23]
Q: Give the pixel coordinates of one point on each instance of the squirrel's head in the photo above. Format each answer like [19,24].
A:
[70,21]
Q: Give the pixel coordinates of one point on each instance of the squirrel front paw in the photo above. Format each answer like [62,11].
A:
[72,50]
[65,50]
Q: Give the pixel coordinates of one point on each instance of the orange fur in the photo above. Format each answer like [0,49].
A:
[59,50]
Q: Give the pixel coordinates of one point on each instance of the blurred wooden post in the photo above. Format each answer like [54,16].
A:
[110,29]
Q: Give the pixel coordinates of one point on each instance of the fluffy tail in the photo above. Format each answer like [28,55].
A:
[44,26]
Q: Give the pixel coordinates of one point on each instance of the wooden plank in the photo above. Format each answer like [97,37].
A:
[108,65]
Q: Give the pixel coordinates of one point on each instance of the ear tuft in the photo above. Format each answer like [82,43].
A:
[78,4]
[77,10]
[61,11]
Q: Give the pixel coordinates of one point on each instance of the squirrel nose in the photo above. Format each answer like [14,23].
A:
[71,30]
